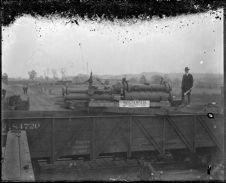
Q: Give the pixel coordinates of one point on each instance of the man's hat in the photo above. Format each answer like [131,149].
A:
[186,68]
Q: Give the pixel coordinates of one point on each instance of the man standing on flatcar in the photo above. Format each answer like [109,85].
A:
[186,86]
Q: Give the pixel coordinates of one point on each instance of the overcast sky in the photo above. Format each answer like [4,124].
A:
[159,45]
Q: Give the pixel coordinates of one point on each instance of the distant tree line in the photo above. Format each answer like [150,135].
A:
[211,82]
[32,74]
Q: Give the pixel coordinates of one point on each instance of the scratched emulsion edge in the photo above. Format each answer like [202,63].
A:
[224,42]
[1,19]
[105,9]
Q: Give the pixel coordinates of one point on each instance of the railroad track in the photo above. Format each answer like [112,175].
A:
[92,165]
[141,169]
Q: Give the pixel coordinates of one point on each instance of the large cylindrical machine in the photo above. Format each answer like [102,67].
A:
[154,93]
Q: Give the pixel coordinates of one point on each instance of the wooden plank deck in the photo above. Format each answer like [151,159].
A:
[17,161]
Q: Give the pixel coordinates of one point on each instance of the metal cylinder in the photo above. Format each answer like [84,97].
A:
[152,87]
[77,96]
[81,96]
[152,96]
[73,90]
[102,97]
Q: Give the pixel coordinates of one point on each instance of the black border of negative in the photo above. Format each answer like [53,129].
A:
[224,22]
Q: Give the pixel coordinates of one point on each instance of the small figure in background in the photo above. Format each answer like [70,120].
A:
[25,88]
[125,86]
[3,93]
[63,91]
[4,84]
[162,81]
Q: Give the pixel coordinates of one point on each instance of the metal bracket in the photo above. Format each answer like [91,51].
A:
[102,146]
[148,136]
[70,139]
[180,134]
[210,133]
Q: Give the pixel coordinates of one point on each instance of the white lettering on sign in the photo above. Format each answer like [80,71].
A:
[26,126]
[134,103]
[31,126]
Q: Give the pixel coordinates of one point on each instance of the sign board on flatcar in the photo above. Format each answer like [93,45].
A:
[134,103]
